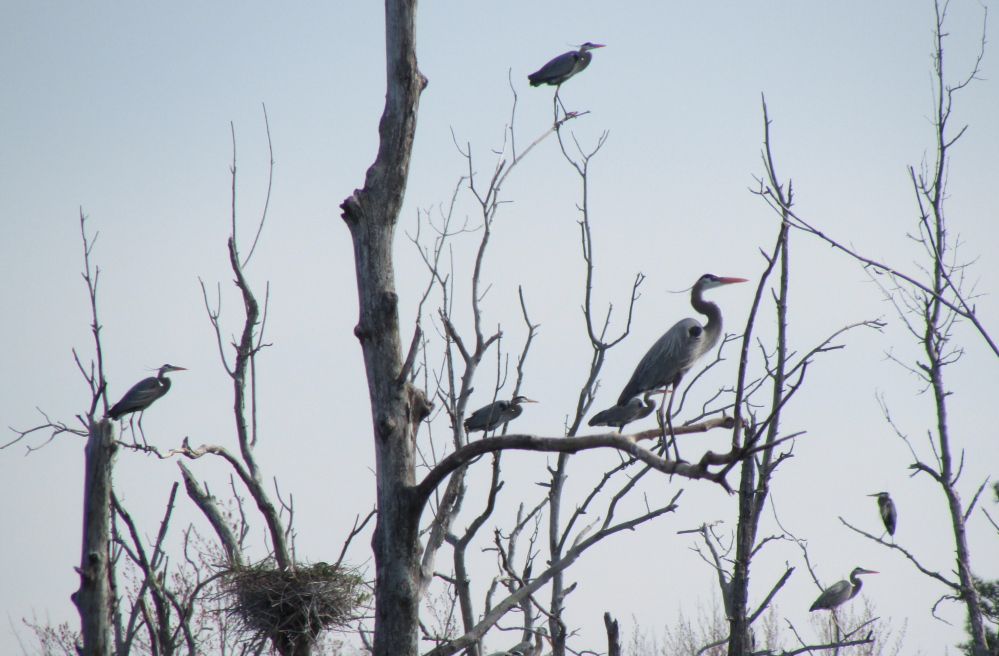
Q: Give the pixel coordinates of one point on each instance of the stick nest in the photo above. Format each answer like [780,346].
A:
[285,604]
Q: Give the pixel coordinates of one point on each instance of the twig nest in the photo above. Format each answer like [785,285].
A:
[286,605]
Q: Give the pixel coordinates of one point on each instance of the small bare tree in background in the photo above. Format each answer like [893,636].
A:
[930,303]
[134,598]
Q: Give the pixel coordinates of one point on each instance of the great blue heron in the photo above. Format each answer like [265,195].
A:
[677,350]
[620,416]
[564,66]
[143,393]
[526,648]
[887,508]
[837,593]
[495,414]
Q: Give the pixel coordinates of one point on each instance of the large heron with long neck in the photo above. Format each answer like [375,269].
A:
[840,592]
[144,393]
[564,66]
[677,350]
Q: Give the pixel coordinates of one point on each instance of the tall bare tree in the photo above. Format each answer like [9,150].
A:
[930,302]
[398,406]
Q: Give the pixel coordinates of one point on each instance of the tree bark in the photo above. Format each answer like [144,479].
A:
[948,480]
[738,600]
[754,484]
[613,635]
[93,599]
[397,407]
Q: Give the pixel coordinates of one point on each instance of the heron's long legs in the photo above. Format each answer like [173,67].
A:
[558,103]
[131,427]
[142,433]
[665,416]
[839,631]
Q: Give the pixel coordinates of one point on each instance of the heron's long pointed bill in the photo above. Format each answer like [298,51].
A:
[530,401]
[729,281]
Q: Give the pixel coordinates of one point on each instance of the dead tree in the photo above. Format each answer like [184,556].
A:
[280,600]
[100,602]
[929,304]
[756,473]
[397,406]
[517,571]
[95,597]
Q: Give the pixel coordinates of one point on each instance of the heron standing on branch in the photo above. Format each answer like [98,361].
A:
[564,66]
[495,414]
[561,68]
[620,416]
[144,393]
[526,648]
[887,508]
[843,591]
[676,351]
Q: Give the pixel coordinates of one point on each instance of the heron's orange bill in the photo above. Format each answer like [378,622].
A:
[729,281]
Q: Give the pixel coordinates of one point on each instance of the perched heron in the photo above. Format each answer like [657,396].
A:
[144,393]
[677,350]
[887,508]
[564,66]
[837,593]
[495,414]
[526,648]
[621,415]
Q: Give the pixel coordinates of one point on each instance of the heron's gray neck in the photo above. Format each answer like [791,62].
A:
[857,584]
[714,325]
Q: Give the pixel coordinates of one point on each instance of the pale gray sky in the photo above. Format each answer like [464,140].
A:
[124,109]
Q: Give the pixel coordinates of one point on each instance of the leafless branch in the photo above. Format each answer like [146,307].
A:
[908,554]
[353,533]
[581,544]
[270,185]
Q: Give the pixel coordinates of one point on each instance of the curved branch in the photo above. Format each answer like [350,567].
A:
[209,507]
[935,575]
[256,490]
[625,443]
